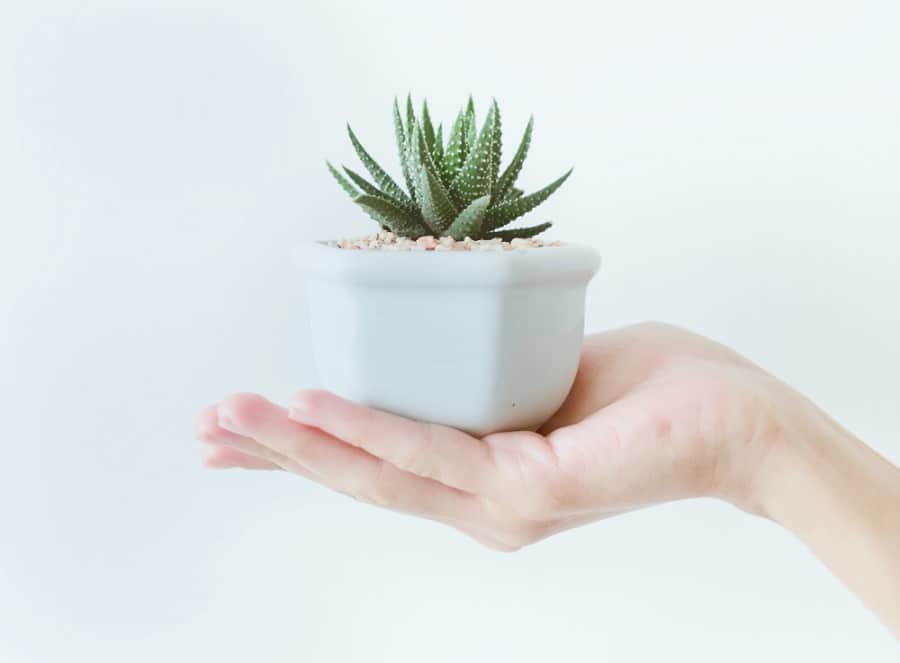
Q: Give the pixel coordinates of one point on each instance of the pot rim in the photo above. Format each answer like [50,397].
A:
[568,263]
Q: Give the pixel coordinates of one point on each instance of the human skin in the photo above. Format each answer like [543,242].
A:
[656,414]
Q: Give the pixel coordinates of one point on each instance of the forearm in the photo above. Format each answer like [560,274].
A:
[843,500]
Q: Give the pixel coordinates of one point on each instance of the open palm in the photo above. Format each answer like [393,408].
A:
[655,414]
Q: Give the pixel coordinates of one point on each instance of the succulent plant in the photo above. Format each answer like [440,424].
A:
[454,189]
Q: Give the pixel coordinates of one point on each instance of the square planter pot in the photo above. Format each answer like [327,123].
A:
[482,341]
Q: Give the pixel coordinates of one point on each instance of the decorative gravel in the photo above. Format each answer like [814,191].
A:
[388,241]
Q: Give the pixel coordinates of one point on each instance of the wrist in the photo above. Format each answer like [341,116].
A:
[787,454]
[797,474]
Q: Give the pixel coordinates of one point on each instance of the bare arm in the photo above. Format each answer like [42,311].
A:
[843,500]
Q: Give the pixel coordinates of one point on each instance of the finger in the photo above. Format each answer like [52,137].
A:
[207,426]
[245,452]
[229,449]
[343,467]
[216,456]
[443,454]
[209,431]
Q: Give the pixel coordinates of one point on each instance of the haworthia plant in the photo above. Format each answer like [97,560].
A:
[454,188]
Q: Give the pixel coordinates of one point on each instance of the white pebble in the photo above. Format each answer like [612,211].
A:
[388,241]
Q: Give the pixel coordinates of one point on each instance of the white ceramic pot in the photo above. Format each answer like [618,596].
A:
[482,341]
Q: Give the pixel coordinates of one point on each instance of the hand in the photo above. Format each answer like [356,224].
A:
[655,414]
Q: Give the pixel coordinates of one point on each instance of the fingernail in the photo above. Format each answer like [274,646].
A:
[225,420]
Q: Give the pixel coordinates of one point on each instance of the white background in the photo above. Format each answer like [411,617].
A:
[736,164]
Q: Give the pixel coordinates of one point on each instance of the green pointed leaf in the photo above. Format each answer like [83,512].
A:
[496,145]
[512,233]
[468,222]
[471,128]
[511,173]
[512,194]
[343,181]
[387,184]
[499,215]
[395,217]
[437,152]
[427,127]
[453,156]
[370,189]
[400,133]
[438,210]
[411,154]
[399,130]
[410,116]
[474,179]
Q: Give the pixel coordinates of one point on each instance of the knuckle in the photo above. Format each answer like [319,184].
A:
[540,484]
[418,460]
[381,491]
